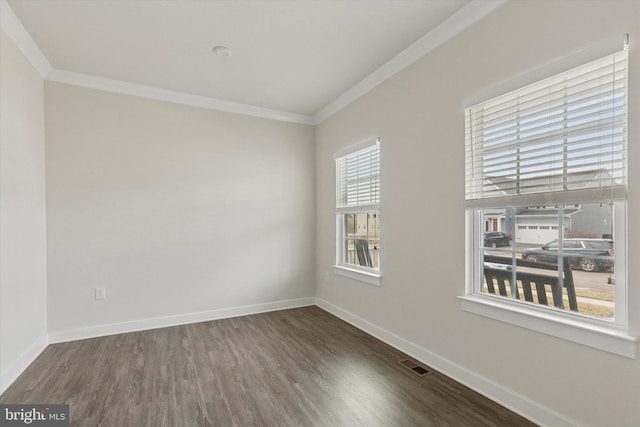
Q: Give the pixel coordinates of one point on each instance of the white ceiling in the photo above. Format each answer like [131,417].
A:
[288,56]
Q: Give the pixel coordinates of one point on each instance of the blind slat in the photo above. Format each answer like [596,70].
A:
[561,134]
[358,178]
[568,133]
[557,113]
[567,92]
[612,65]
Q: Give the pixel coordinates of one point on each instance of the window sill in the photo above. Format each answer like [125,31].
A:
[362,276]
[602,337]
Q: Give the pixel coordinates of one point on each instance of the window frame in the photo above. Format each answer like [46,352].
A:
[341,267]
[610,336]
[605,335]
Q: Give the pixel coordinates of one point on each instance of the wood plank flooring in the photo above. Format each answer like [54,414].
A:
[298,367]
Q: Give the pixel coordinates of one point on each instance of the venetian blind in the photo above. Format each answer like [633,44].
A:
[564,136]
[358,179]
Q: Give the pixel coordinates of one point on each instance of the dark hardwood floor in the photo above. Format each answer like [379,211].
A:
[299,367]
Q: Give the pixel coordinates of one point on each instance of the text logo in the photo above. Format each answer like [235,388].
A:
[34,415]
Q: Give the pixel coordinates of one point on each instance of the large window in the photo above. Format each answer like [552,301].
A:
[546,201]
[358,212]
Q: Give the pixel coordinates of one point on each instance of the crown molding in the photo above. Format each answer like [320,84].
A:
[455,24]
[126,88]
[12,26]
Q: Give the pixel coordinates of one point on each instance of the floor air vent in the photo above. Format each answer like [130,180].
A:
[417,369]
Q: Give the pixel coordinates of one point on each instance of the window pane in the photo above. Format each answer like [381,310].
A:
[361,225]
[373,226]
[588,249]
[578,277]
[349,252]
[498,228]
[361,243]
[374,250]
[350,225]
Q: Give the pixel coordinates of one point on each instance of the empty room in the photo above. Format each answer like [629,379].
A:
[320,213]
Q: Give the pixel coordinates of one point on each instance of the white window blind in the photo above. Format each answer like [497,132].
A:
[358,179]
[564,136]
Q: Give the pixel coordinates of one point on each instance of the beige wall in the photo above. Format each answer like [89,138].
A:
[23,289]
[419,116]
[172,209]
[176,210]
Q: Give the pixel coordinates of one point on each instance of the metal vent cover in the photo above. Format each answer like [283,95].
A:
[416,368]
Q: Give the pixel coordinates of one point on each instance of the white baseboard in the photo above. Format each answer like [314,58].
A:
[176,320]
[18,367]
[505,397]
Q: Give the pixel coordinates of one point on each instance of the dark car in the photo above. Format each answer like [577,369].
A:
[496,238]
[587,254]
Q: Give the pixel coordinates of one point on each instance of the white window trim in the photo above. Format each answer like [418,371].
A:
[612,337]
[608,336]
[366,275]
[603,338]
[372,277]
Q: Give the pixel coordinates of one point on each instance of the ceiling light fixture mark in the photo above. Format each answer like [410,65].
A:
[222,51]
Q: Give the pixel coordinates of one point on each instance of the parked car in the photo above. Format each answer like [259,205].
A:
[496,238]
[587,254]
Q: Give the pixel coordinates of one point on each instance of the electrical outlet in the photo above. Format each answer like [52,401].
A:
[101,293]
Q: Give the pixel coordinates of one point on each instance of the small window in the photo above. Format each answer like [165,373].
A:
[358,212]
[572,244]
